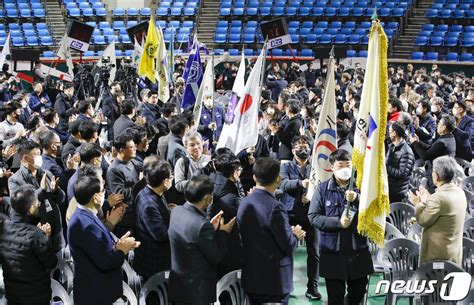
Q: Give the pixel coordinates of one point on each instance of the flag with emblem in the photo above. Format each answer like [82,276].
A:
[64,53]
[325,141]
[137,53]
[243,132]
[371,127]
[192,76]
[162,65]
[205,91]
[150,52]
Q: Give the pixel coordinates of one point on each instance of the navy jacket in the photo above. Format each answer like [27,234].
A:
[293,191]
[226,197]
[97,266]
[276,85]
[121,124]
[464,136]
[150,112]
[196,249]
[445,145]
[285,134]
[344,252]
[427,129]
[35,102]
[64,107]
[268,243]
[208,116]
[152,220]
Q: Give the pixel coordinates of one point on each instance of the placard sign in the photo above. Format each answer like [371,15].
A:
[79,35]
[277,33]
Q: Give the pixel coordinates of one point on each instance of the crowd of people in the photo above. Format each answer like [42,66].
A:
[143,176]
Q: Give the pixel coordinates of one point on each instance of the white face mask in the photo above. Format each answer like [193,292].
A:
[455,111]
[102,200]
[38,161]
[434,109]
[343,173]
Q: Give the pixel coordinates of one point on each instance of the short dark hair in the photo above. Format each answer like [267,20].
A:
[83,106]
[395,102]
[90,151]
[89,170]
[426,104]
[87,129]
[156,172]
[127,107]
[410,84]
[11,107]
[197,188]
[74,127]
[26,147]
[342,130]
[85,188]
[449,122]
[399,129]
[47,139]
[121,141]
[168,109]
[462,104]
[339,155]
[49,115]
[293,106]
[178,126]
[226,164]
[137,133]
[298,139]
[266,171]
[68,86]
[23,198]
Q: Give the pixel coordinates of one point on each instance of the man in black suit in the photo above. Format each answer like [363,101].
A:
[197,246]
[152,219]
[268,240]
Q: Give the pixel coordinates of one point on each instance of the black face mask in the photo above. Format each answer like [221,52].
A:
[302,154]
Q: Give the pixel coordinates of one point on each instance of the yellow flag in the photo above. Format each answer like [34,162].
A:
[150,51]
[163,88]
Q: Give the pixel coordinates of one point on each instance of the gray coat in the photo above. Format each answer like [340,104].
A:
[175,151]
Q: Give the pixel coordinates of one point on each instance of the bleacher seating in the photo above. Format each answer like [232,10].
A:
[27,34]
[306,32]
[318,8]
[443,35]
[85,9]
[23,10]
[459,10]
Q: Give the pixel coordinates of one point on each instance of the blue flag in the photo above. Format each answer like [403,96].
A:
[193,77]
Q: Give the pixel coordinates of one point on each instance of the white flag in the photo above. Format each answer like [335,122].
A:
[374,202]
[64,53]
[137,53]
[325,141]
[243,132]
[205,91]
[162,69]
[239,82]
[5,51]
[110,52]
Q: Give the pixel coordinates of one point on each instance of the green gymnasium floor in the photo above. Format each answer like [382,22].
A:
[299,279]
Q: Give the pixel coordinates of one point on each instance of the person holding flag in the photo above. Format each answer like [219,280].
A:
[294,184]
[345,259]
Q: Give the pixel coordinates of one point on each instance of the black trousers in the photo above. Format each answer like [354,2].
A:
[355,291]
[259,299]
[312,261]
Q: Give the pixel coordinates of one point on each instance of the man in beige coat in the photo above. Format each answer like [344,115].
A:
[441,214]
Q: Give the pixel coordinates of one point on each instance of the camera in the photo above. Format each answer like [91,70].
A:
[105,60]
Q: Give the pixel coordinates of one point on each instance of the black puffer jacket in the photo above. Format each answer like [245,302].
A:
[400,162]
[26,258]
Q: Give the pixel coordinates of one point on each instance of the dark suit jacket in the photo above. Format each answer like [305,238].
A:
[293,192]
[97,266]
[152,220]
[285,134]
[121,124]
[268,244]
[196,249]
[227,198]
